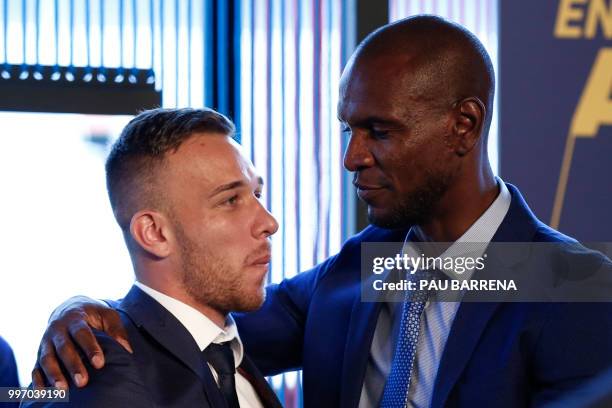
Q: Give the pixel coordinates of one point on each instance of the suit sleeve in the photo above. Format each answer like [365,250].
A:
[273,336]
[575,346]
[8,367]
[112,303]
[117,384]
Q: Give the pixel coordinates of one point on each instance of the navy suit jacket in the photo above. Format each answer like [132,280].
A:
[8,370]
[597,393]
[8,367]
[166,370]
[497,354]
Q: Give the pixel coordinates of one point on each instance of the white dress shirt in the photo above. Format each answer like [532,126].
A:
[205,332]
[435,324]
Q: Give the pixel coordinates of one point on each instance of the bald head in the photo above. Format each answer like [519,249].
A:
[445,60]
[417,99]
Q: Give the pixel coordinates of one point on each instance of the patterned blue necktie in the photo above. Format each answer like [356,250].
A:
[395,394]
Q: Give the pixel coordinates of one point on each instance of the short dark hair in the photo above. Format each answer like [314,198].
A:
[139,152]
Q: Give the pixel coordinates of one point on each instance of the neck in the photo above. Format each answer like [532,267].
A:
[217,317]
[165,282]
[462,205]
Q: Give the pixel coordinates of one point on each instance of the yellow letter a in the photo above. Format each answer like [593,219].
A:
[595,106]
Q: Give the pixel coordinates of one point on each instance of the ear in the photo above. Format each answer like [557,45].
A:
[151,231]
[470,115]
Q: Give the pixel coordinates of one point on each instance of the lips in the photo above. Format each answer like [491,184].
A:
[260,256]
[366,187]
[262,260]
[369,182]
[368,191]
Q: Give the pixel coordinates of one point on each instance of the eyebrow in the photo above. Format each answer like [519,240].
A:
[372,119]
[233,185]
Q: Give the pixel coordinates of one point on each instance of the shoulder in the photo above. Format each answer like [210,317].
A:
[348,257]
[8,366]
[372,233]
[119,382]
[347,260]
[5,348]
[545,233]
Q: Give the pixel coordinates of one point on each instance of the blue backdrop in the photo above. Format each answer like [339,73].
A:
[556,110]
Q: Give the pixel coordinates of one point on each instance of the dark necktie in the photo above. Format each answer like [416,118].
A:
[221,357]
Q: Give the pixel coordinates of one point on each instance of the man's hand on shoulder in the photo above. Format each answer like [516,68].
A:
[71,323]
[118,384]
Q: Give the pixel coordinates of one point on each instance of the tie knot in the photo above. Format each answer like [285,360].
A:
[221,357]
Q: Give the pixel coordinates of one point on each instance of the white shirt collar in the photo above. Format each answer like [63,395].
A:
[201,328]
[481,232]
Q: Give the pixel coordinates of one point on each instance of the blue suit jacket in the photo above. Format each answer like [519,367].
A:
[497,354]
[8,370]
[8,367]
[166,370]
[597,393]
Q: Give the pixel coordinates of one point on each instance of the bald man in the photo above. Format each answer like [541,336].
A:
[417,100]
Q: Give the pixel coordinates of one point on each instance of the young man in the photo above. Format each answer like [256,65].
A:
[187,202]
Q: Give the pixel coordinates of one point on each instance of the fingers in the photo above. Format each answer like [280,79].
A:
[70,358]
[70,321]
[86,340]
[50,366]
[37,378]
[113,326]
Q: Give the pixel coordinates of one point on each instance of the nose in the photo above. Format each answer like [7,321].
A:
[265,225]
[357,155]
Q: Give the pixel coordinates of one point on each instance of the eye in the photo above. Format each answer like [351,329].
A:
[379,133]
[345,129]
[233,200]
[258,194]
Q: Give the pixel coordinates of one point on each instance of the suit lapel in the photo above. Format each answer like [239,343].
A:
[149,315]
[468,326]
[472,317]
[360,334]
[362,324]
[258,381]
